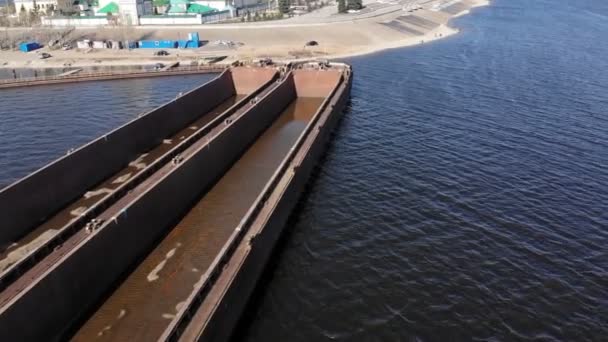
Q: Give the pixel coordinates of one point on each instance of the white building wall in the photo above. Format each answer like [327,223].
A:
[171,20]
[76,22]
[219,5]
[149,20]
[129,11]
[243,3]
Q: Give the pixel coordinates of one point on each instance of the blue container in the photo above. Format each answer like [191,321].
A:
[194,39]
[187,44]
[157,44]
[193,42]
[29,46]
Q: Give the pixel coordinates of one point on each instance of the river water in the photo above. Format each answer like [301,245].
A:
[464,196]
[40,124]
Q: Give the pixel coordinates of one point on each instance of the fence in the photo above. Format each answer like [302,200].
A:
[216,16]
[184,19]
[74,21]
[257,8]
[143,20]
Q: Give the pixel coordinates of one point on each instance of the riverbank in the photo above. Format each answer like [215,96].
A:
[381,26]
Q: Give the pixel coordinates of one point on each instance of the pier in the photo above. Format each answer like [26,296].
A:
[160,229]
[78,76]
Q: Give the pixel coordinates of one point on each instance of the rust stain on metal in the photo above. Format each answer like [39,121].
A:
[50,228]
[152,291]
[182,288]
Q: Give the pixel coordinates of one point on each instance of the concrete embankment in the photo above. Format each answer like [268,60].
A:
[77,76]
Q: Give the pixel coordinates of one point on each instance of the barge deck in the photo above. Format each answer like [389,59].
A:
[175,255]
[40,235]
[169,273]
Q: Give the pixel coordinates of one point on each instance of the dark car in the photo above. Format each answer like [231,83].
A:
[44,55]
[161,53]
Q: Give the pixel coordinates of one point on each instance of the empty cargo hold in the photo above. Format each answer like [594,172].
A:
[167,250]
[172,269]
[26,268]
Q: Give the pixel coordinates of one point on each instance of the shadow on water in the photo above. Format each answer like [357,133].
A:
[282,244]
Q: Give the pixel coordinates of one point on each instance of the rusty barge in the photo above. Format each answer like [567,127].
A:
[160,229]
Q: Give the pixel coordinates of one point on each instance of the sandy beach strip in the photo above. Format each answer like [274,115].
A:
[392,25]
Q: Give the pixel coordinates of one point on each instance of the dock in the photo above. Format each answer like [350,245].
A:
[160,229]
[77,76]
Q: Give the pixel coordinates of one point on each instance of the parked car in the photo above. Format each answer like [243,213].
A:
[266,61]
[159,66]
[44,55]
[161,53]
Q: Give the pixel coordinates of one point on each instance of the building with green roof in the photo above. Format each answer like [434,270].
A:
[181,7]
[127,12]
[109,8]
[199,9]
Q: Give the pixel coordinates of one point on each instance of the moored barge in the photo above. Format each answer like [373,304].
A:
[174,255]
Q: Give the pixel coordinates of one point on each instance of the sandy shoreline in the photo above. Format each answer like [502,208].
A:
[384,26]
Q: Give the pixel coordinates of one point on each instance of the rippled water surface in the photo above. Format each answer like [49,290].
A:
[464,196]
[39,124]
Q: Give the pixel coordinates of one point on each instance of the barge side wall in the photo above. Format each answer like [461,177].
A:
[29,201]
[316,83]
[228,299]
[82,278]
[248,79]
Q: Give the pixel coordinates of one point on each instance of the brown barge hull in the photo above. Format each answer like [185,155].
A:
[48,301]
[67,283]
[33,199]
[213,312]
